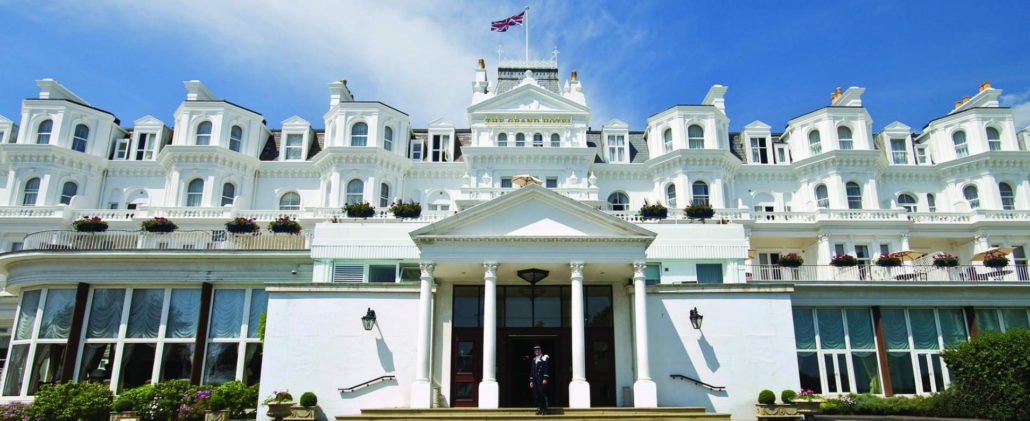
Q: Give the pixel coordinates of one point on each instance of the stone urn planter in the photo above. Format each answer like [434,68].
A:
[124,416]
[216,415]
[278,411]
[304,413]
[808,406]
[777,411]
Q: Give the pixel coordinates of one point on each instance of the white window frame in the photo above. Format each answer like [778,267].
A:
[287,147]
[899,157]
[692,140]
[616,147]
[242,341]
[847,352]
[845,143]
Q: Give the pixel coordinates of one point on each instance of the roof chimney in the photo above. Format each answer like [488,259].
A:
[958,104]
[482,64]
[196,91]
[985,86]
[836,94]
[338,92]
[965,99]
[575,76]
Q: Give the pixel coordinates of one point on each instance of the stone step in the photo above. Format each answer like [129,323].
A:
[513,414]
[532,411]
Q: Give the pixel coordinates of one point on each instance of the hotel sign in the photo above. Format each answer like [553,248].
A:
[519,120]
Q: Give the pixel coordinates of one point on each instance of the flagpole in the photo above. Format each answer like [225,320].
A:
[526,19]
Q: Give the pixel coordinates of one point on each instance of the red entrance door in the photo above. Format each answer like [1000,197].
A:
[467,362]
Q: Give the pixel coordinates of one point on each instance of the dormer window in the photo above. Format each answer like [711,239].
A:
[898,152]
[121,149]
[43,132]
[438,150]
[959,139]
[502,140]
[415,149]
[759,151]
[520,140]
[80,138]
[920,155]
[388,138]
[203,136]
[695,137]
[359,134]
[814,142]
[844,138]
[781,154]
[235,138]
[993,139]
[294,147]
[617,148]
[538,140]
[667,140]
[555,140]
[145,145]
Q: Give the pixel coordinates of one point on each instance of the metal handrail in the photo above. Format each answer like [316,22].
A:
[697,382]
[368,383]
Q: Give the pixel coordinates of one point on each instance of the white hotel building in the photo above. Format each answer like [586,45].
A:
[454,320]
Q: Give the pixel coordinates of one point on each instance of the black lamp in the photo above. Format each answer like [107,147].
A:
[369,319]
[695,318]
[533,275]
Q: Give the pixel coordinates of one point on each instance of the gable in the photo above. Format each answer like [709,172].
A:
[528,98]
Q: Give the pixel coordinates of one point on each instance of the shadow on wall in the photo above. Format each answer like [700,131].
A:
[385,355]
[677,359]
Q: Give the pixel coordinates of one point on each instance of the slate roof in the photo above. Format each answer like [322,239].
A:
[637,146]
[738,149]
[509,77]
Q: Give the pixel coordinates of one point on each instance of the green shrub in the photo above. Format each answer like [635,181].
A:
[141,398]
[787,395]
[308,399]
[72,402]
[767,397]
[217,403]
[990,375]
[238,397]
[122,404]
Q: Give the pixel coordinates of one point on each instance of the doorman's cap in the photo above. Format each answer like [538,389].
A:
[536,347]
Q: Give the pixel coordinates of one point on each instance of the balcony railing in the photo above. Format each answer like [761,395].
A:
[968,273]
[179,240]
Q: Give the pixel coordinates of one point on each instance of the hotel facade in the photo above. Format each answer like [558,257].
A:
[442,310]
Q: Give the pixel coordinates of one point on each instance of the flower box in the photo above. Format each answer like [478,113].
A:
[843,260]
[776,411]
[242,226]
[808,406]
[945,260]
[158,224]
[406,210]
[222,415]
[889,260]
[996,260]
[90,224]
[304,413]
[124,416]
[655,211]
[284,224]
[359,210]
[700,211]
[791,260]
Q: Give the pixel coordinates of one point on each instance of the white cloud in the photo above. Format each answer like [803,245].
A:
[1020,103]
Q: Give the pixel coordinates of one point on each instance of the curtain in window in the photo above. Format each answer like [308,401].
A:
[924,328]
[105,313]
[176,362]
[182,313]
[831,328]
[97,362]
[953,325]
[258,305]
[903,379]
[860,328]
[894,328]
[57,314]
[227,314]
[220,366]
[27,314]
[867,372]
[1015,318]
[145,313]
[15,369]
[987,320]
[804,329]
[808,368]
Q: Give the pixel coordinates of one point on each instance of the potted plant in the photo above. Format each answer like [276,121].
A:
[767,408]
[808,402]
[400,209]
[359,210]
[216,409]
[945,260]
[279,404]
[284,224]
[843,260]
[158,224]
[121,409]
[996,260]
[699,210]
[242,226]
[308,409]
[791,260]
[654,211]
[889,260]
[90,224]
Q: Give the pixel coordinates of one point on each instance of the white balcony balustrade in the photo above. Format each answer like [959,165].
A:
[826,273]
[178,240]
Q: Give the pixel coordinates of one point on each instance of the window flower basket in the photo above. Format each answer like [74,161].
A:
[654,211]
[889,260]
[701,211]
[279,405]
[945,260]
[808,402]
[406,210]
[242,226]
[359,210]
[284,224]
[843,260]
[791,260]
[90,224]
[158,224]
[996,260]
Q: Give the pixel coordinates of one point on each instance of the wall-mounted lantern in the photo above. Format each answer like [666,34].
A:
[369,319]
[695,318]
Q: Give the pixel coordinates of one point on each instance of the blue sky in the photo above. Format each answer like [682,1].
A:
[779,59]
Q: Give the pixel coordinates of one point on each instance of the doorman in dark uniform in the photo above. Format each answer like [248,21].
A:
[539,375]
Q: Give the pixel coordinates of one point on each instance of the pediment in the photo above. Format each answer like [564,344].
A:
[148,120]
[615,124]
[528,98]
[441,123]
[295,121]
[897,126]
[757,125]
[532,212]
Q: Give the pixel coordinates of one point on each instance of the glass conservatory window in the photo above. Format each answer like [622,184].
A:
[914,338]
[836,350]
[42,327]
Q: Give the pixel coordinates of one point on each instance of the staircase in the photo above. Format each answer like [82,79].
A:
[693,413]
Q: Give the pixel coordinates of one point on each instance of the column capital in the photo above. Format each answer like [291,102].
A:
[490,269]
[638,269]
[426,268]
[577,268]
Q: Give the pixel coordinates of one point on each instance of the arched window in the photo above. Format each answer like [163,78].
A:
[959,138]
[907,201]
[667,140]
[28,198]
[68,191]
[359,134]
[236,138]
[502,139]
[972,196]
[844,138]
[388,138]
[80,138]
[618,201]
[555,140]
[670,195]
[194,192]
[931,202]
[355,191]
[822,197]
[1008,199]
[520,140]
[695,137]
[814,142]
[228,193]
[538,140]
[289,201]
[43,132]
[384,195]
[204,133]
[854,192]
[700,192]
[993,139]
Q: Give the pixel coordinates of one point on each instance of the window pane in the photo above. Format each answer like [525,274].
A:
[902,377]
[252,364]
[47,367]
[105,313]
[145,313]
[547,308]
[15,369]
[97,363]
[57,314]
[227,314]
[137,365]
[867,372]
[220,365]
[860,328]
[382,273]
[924,372]
[831,328]
[831,373]
[183,311]
[924,329]
[953,326]
[808,366]
[258,306]
[176,361]
[709,273]
[467,306]
[804,329]
[938,380]
[1014,319]
[894,328]
[598,306]
[27,314]
[987,320]
[518,307]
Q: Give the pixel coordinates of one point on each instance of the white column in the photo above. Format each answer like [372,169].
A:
[579,389]
[421,391]
[645,392]
[489,395]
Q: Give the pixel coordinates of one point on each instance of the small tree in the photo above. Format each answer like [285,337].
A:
[990,375]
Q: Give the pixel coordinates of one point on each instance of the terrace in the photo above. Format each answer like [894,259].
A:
[871,273]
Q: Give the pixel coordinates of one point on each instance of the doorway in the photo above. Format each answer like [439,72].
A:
[517,357]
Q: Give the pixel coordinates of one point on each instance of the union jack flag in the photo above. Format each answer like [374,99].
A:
[502,25]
